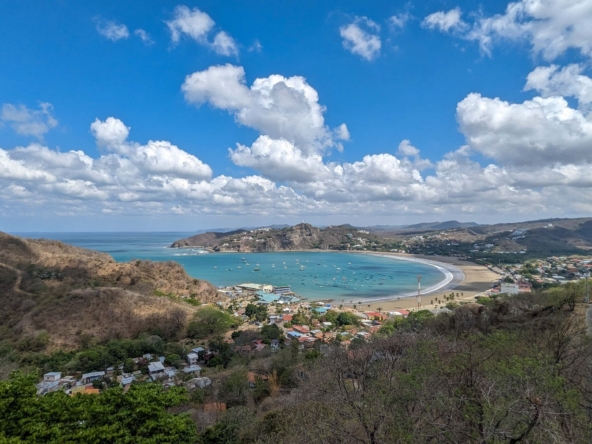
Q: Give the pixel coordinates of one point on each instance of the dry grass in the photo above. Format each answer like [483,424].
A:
[72,292]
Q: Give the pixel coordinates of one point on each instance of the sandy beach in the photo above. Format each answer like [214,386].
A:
[476,279]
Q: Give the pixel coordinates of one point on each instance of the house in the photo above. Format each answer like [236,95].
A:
[155,370]
[84,390]
[302,329]
[126,380]
[275,344]
[47,387]
[260,347]
[281,289]
[376,316]
[194,369]
[198,350]
[252,377]
[250,286]
[508,288]
[192,358]
[87,378]
[170,372]
[293,334]
[524,287]
[326,324]
[52,377]
[287,318]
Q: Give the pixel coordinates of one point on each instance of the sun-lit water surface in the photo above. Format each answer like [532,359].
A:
[315,275]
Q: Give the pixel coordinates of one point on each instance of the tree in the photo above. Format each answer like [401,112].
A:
[210,321]
[345,318]
[256,311]
[270,332]
[140,415]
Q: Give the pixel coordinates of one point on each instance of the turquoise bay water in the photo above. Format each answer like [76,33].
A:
[350,277]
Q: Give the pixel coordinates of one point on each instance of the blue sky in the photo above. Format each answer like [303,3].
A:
[120,115]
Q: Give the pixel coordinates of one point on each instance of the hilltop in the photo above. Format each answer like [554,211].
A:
[299,237]
[63,294]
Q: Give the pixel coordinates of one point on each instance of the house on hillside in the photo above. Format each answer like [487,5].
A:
[192,358]
[155,370]
[193,369]
[88,378]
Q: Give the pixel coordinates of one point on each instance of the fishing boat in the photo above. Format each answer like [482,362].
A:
[257,269]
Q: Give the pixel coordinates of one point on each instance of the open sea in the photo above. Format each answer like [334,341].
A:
[347,277]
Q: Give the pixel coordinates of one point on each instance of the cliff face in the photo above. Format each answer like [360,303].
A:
[68,291]
[299,237]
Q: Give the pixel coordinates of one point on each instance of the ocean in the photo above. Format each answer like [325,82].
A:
[342,277]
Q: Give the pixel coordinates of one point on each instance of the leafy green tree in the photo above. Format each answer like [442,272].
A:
[210,321]
[128,365]
[140,415]
[270,332]
[345,318]
[256,311]
[235,388]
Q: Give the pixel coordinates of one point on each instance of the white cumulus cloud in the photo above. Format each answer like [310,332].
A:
[551,27]
[280,107]
[144,36]
[567,81]
[360,38]
[29,122]
[445,21]
[112,30]
[198,26]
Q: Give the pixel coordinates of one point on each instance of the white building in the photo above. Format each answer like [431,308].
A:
[87,378]
[508,288]
[155,369]
[192,358]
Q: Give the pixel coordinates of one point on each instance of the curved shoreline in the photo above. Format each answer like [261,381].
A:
[453,276]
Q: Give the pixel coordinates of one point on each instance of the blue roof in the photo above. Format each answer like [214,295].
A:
[268,297]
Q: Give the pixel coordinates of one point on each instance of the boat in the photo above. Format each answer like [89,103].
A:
[257,269]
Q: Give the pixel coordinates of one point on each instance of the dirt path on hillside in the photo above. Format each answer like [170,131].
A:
[16,287]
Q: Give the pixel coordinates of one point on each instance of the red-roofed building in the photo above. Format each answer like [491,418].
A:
[376,316]
[303,329]
[287,318]
[403,312]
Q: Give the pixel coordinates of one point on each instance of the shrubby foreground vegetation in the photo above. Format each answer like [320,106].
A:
[515,370]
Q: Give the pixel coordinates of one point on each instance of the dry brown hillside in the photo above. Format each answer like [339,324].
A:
[72,293]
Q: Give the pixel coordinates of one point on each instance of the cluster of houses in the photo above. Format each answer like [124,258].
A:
[552,270]
[169,376]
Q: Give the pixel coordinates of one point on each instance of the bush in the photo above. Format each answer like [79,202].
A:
[210,321]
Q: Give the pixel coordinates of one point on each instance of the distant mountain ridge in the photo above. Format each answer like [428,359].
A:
[546,237]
